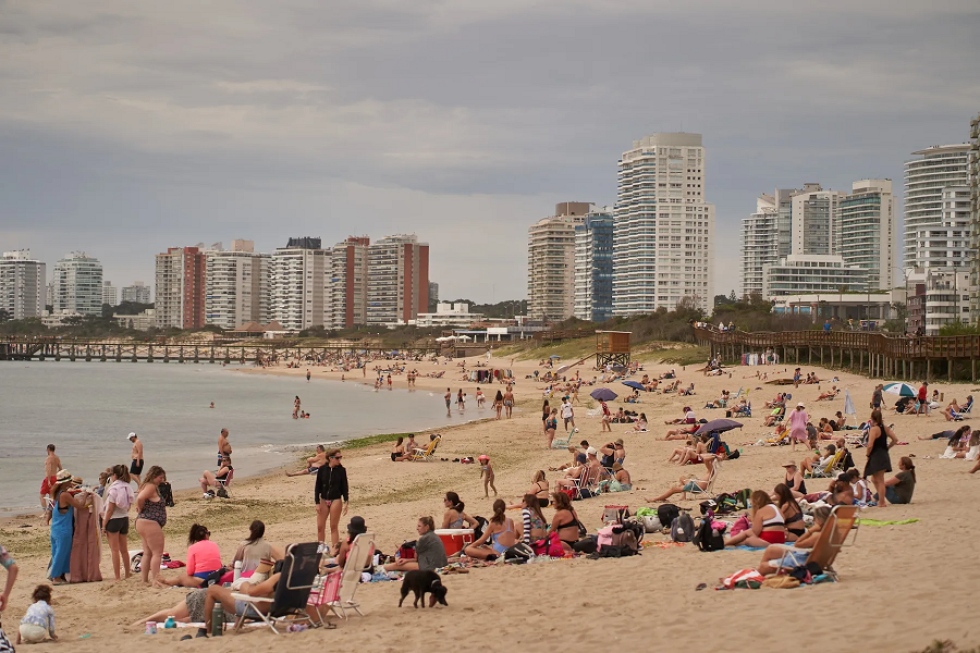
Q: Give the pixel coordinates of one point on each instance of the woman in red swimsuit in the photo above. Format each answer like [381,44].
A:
[768,525]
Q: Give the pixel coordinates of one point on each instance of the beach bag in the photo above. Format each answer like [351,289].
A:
[682,528]
[667,513]
[615,514]
[519,553]
[481,524]
[744,579]
[624,539]
[741,524]
[166,493]
[651,524]
[604,536]
[407,550]
[549,546]
[709,538]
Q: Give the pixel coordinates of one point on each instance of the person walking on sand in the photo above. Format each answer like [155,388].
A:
[880,440]
[136,466]
[922,396]
[449,402]
[568,413]
[509,401]
[332,498]
[498,403]
[797,424]
[52,465]
[486,473]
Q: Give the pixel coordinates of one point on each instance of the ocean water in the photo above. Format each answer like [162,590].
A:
[87,410]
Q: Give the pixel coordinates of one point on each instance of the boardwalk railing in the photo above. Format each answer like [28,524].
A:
[875,354]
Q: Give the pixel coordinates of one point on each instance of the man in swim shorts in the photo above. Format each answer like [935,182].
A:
[136,467]
[52,465]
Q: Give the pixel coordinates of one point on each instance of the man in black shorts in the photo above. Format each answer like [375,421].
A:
[136,467]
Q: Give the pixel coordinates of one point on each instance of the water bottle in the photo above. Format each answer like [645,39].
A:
[170,622]
[238,569]
[217,621]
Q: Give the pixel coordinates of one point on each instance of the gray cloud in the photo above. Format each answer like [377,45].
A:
[125,128]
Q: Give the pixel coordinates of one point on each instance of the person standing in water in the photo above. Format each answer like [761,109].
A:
[297,404]
[307,376]
[224,447]
[136,467]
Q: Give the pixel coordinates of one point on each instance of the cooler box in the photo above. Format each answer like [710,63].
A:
[454,539]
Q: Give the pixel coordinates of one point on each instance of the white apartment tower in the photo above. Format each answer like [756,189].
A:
[298,284]
[663,228]
[138,293]
[110,294]
[759,241]
[551,263]
[22,285]
[77,285]
[236,286]
[867,228]
[936,168]
[947,244]
[816,221]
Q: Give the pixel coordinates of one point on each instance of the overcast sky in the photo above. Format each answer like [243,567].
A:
[128,127]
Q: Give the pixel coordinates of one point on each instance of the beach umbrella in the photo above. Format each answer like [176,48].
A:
[900,389]
[604,394]
[563,369]
[634,384]
[849,404]
[718,426]
[554,356]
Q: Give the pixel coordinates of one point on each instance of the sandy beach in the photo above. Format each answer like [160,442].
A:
[898,584]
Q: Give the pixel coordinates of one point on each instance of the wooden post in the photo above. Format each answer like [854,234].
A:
[949,370]
[928,369]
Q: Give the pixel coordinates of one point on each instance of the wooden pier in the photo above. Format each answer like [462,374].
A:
[23,349]
[876,355]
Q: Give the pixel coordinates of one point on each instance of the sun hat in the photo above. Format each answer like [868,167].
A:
[63,477]
[131,436]
[619,441]
[77,480]
[790,464]
[800,405]
[356,526]
[591,451]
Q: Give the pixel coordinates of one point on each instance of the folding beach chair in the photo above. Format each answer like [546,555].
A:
[965,412]
[709,488]
[562,444]
[361,551]
[428,452]
[842,520]
[831,469]
[299,570]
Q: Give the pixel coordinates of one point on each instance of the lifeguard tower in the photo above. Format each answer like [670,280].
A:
[612,347]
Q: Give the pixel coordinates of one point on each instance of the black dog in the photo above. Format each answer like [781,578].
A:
[421,582]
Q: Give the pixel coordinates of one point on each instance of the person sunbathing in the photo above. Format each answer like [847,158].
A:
[687,392]
[768,526]
[671,386]
[689,417]
[565,522]
[816,461]
[783,497]
[829,394]
[794,555]
[211,481]
[721,402]
[455,517]
[498,536]
[315,462]
[775,416]
[951,410]
[641,424]
[689,484]
[681,434]
[778,400]
[203,559]
[564,466]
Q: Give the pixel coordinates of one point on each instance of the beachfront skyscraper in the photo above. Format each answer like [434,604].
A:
[551,263]
[974,175]
[298,283]
[935,168]
[237,286]
[867,231]
[77,285]
[593,266]
[759,244]
[663,229]
[22,285]
[180,288]
[110,294]
[138,293]
[347,286]
[398,279]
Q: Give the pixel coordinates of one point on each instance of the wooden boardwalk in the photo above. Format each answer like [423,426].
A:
[874,354]
[264,351]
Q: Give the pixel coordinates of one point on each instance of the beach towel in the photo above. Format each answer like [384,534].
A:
[743,579]
[885,522]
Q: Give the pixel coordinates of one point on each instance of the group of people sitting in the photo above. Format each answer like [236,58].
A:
[593,471]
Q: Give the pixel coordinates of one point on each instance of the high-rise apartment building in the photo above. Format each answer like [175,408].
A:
[110,294]
[759,243]
[593,267]
[816,221]
[433,297]
[867,231]
[398,279]
[237,286]
[348,283]
[935,168]
[138,293]
[551,262]
[663,228]
[974,176]
[77,285]
[22,285]
[180,288]
[946,244]
[298,282]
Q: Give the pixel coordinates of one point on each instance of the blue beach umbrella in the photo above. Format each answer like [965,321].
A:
[718,426]
[900,389]
[634,384]
[603,394]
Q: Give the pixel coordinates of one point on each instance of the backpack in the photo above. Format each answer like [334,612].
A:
[549,546]
[682,528]
[519,553]
[667,513]
[625,540]
[708,538]
[166,493]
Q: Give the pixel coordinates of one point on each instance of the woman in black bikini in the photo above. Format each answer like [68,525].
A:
[540,487]
[792,513]
[565,522]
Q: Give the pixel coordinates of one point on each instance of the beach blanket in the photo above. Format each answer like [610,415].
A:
[885,522]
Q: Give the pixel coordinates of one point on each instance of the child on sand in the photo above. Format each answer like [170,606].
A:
[486,473]
[38,622]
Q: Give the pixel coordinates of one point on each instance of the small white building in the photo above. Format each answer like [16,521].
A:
[811,273]
[448,314]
